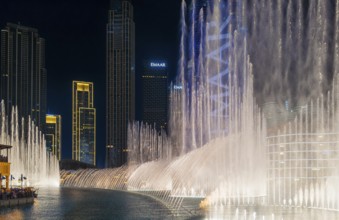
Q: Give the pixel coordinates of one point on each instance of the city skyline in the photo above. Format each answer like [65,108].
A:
[81,55]
[180,109]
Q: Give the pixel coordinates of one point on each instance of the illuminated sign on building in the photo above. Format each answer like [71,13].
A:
[158,64]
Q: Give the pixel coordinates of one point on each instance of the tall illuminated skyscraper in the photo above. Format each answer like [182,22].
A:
[155,94]
[53,134]
[120,81]
[23,80]
[83,123]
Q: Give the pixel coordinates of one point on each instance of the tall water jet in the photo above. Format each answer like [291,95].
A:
[234,54]
[145,144]
[223,130]
[29,157]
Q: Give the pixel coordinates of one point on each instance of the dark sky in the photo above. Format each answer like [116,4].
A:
[75,48]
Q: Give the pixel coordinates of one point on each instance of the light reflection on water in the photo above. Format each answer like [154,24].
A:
[15,215]
[65,203]
[270,213]
[70,203]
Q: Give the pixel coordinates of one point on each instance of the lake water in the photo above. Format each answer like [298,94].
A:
[70,203]
[83,204]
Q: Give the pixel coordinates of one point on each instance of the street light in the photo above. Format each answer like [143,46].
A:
[12,178]
[22,180]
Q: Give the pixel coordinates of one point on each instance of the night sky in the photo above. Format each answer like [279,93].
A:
[75,33]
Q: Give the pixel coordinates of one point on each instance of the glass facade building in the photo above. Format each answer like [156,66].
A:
[83,123]
[23,76]
[155,94]
[120,80]
[53,134]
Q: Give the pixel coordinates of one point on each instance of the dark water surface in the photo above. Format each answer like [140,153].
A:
[70,203]
[83,204]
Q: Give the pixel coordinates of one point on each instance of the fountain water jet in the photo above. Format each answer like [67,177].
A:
[28,157]
[234,54]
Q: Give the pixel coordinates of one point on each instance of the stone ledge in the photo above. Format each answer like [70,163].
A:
[16,202]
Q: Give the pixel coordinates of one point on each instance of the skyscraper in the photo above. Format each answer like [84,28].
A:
[23,74]
[83,123]
[120,80]
[53,134]
[155,94]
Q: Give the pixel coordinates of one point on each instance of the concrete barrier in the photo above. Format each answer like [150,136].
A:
[16,202]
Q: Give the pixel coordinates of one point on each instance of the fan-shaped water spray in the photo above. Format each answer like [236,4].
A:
[234,54]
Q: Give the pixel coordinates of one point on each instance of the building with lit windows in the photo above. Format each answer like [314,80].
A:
[120,80]
[155,94]
[83,123]
[53,134]
[23,74]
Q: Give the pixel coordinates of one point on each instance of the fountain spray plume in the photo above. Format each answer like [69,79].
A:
[217,91]
[29,156]
[234,54]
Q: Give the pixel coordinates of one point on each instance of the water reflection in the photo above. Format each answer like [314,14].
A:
[66,203]
[269,213]
[14,214]
[70,203]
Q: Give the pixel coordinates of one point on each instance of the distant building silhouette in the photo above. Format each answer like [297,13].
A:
[83,123]
[120,81]
[74,165]
[23,80]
